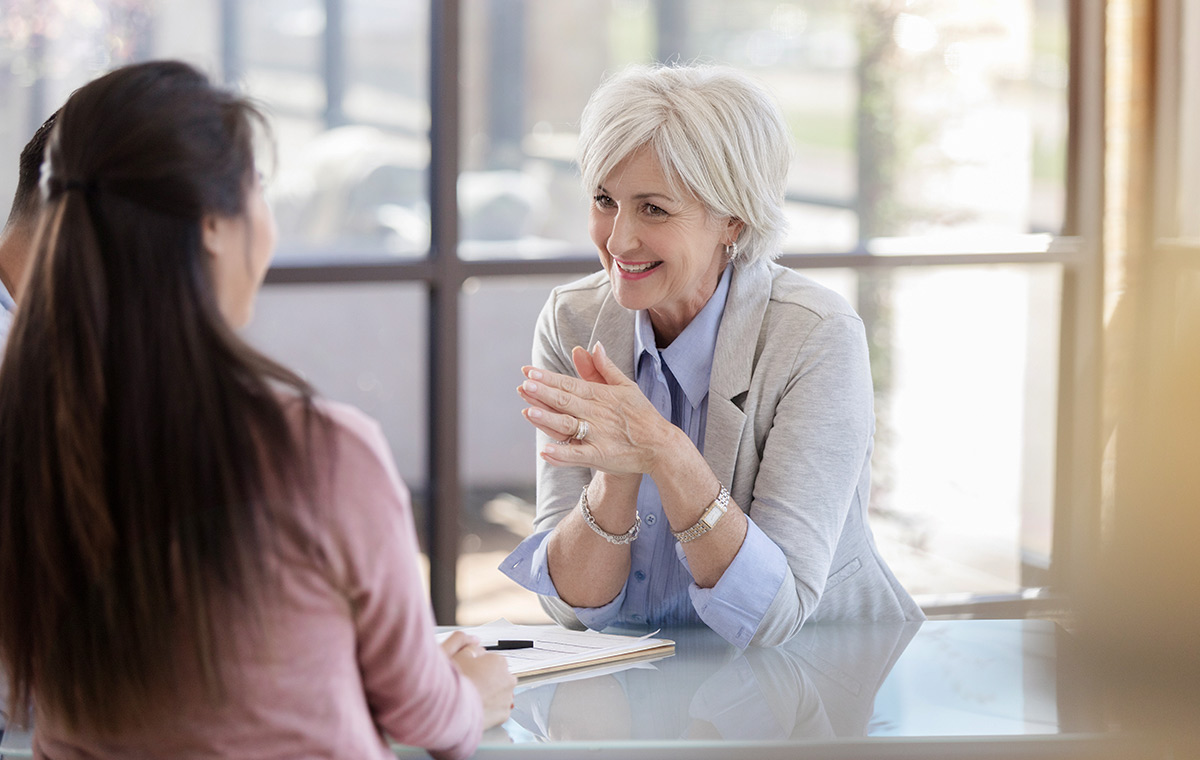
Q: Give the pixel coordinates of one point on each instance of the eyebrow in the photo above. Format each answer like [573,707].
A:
[642,196]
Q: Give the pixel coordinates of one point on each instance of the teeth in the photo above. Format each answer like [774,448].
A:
[637,268]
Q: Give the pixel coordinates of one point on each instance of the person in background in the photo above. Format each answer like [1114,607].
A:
[705,416]
[197,558]
[16,239]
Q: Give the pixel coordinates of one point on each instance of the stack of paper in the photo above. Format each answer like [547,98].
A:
[557,649]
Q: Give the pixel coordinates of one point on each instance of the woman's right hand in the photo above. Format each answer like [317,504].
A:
[489,673]
[626,436]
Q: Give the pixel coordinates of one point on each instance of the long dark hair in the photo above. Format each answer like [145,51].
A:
[140,438]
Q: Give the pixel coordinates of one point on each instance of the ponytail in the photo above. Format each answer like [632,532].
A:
[146,452]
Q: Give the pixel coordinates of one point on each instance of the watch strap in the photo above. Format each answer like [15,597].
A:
[708,520]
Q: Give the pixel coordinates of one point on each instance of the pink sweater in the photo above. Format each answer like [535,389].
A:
[350,649]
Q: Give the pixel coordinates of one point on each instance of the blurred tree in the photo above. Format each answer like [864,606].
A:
[878,210]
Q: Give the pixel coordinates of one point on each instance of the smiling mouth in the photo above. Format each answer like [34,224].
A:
[636,268]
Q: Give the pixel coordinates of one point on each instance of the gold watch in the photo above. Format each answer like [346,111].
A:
[708,520]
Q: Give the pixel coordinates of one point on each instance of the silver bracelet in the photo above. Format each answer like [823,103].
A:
[624,538]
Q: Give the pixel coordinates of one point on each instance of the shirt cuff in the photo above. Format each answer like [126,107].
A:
[736,605]
[529,566]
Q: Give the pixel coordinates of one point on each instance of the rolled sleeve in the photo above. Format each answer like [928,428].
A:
[529,566]
[737,604]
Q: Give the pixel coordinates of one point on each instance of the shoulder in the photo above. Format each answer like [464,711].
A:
[591,290]
[360,498]
[337,420]
[798,319]
[791,290]
[573,308]
[348,421]
[346,447]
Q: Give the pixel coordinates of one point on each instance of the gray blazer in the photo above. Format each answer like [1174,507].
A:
[790,431]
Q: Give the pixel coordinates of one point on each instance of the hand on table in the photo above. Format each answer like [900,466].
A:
[489,673]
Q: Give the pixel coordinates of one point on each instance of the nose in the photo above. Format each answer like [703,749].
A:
[622,238]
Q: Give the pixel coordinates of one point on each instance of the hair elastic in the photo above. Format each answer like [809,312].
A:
[80,185]
[56,187]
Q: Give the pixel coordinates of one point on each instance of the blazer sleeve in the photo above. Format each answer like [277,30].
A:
[814,467]
[558,488]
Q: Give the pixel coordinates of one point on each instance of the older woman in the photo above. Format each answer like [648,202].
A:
[707,457]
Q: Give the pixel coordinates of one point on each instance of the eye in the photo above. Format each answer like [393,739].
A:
[604,201]
[652,210]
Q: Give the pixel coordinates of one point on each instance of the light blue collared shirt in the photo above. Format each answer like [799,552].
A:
[6,307]
[660,590]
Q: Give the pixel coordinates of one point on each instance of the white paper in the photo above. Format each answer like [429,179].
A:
[555,647]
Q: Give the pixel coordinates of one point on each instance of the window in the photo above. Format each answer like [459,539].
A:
[428,201]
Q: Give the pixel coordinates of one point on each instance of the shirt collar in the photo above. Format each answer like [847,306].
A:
[690,355]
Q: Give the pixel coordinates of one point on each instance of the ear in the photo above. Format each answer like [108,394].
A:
[215,235]
[733,229]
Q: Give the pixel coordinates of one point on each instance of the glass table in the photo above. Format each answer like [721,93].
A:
[941,689]
[951,688]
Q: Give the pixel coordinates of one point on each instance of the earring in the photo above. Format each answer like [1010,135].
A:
[731,251]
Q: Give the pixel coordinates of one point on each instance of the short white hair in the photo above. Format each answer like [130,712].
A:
[712,128]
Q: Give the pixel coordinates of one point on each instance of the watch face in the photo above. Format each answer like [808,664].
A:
[711,516]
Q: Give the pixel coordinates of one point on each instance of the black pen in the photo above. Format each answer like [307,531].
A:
[510,644]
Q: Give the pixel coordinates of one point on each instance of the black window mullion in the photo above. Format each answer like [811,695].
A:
[445,285]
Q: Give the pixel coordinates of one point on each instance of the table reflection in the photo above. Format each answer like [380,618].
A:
[820,685]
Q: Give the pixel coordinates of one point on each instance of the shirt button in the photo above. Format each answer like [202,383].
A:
[651,519]
[640,575]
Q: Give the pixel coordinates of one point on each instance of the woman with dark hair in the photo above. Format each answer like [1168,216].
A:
[196,557]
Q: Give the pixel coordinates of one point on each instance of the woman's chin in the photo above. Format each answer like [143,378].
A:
[628,300]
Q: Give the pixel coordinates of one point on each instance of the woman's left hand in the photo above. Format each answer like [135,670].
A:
[458,642]
[624,433]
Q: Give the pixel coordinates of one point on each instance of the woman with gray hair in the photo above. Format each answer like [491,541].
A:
[706,458]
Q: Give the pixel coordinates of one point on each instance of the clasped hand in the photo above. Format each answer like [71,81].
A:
[624,433]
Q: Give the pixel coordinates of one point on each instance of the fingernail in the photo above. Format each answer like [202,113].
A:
[530,386]
[600,348]
[550,451]
[535,413]
[535,374]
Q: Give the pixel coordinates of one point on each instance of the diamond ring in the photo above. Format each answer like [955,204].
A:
[581,432]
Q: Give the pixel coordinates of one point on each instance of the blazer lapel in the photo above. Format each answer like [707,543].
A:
[614,328]
[733,365]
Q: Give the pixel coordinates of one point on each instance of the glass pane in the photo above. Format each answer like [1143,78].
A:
[47,50]
[941,118]
[498,448]
[363,345]
[349,109]
[965,365]
[352,135]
